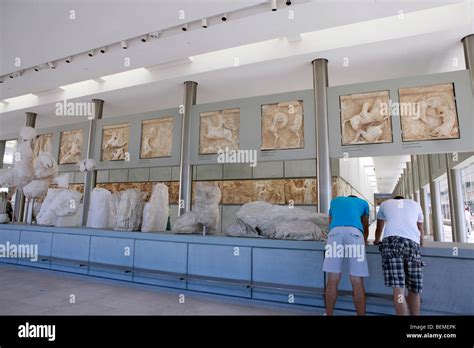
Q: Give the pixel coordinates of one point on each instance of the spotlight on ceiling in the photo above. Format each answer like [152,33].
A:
[155,35]
[274,5]
[91,53]
[68,60]
[204,23]
[184,27]
[51,65]
[144,38]
[37,68]
[288,2]
[124,44]
[103,49]
[1,79]
[224,17]
[15,74]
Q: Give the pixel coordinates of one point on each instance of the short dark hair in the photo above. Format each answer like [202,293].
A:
[352,196]
[398,197]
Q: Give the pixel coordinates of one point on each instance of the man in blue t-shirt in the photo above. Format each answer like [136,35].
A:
[348,233]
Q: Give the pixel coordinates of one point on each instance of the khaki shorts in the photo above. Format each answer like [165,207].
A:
[345,242]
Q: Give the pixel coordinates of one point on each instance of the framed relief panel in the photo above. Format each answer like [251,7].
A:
[43,143]
[218,130]
[115,139]
[70,146]
[157,137]
[282,126]
[428,113]
[365,118]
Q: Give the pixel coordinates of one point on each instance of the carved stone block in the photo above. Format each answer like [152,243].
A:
[115,140]
[126,210]
[366,118]
[428,113]
[156,212]
[43,143]
[157,137]
[282,126]
[70,146]
[219,130]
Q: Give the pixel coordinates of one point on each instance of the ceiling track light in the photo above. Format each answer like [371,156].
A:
[15,74]
[155,35]
[144,38]
[274,5]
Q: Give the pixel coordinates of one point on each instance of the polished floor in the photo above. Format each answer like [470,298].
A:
[36,292]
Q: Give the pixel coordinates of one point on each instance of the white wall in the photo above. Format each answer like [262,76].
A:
[352,170]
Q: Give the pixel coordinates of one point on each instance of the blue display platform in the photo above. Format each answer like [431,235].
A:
[272,270]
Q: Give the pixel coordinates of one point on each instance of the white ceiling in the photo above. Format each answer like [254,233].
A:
[388,170]
[377,40]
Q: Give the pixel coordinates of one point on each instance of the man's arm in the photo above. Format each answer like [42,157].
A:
[420,228]
[379,230]
[365,224]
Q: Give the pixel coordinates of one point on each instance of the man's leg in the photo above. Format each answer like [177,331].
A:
[358,294]
[414,303]
[358,267]
[330,295]
[399,301]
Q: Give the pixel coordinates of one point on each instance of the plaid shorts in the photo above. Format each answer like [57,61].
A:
[401,263]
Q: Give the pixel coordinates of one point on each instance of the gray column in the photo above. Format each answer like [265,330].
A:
[401,187]
[437,216]
[323,162]
[460,230]
[411,185]
[423,196]
[468,44]
[91,176]
[406,188]
[2,152]
[30,119]
[423,199]
[186,177]
[19,197]
[414,177]
[451,189]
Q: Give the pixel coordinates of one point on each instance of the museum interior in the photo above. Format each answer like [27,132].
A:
[193,147]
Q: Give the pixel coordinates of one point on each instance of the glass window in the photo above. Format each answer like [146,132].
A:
[10,149]
[444,198]
[467,180]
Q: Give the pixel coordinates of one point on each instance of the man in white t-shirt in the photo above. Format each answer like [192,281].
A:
[400,248]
